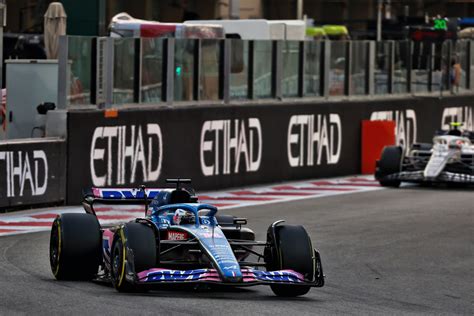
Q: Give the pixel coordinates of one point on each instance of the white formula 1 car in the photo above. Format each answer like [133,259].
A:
[450,159]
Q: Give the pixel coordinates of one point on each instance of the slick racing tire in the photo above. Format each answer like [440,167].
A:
[75,247]
[140,239]
[389,163]
[292,249]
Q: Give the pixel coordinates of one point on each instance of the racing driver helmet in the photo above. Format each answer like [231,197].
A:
[454,130]
[182,217]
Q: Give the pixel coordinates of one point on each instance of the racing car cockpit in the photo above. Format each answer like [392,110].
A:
[455,130]
[183,217]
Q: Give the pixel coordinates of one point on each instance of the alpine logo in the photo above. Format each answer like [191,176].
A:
[126,154]
[314,140]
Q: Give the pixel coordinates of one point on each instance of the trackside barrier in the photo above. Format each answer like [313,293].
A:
[32,172]
[375,136]
[241,145]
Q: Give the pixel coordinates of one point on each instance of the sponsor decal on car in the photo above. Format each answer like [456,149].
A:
[175,235]
[203,275]
[205,221]
[210,234]
[125,193]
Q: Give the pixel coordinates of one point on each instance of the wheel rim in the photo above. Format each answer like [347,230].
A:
[55,247]
[116,262]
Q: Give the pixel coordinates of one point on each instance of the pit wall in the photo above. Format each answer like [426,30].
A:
[32,172]
[240,145]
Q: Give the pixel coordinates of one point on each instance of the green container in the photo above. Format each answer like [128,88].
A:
[83,16]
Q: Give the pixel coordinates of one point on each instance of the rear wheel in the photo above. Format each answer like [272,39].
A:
[75,247]
[291,249]
[389,163]
[140,239]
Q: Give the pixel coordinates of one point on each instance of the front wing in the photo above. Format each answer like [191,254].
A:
[444,177]
[211,276]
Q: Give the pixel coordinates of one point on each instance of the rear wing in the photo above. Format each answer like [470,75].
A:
[141,196]
[124,194]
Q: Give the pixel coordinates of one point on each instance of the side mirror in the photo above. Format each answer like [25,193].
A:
[43,108]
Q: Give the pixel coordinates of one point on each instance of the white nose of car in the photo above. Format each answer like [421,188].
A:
[436,164]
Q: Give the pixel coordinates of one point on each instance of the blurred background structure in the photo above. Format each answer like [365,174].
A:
[90,17]
[228,51]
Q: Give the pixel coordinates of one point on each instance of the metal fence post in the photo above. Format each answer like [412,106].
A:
[277,66]
[468,65]
[391,66]
[224,70]
[100,70]
[197,70]
[3,23]
[409,60]
[168,70]
[348,69]
[370,66]
[137,71]
[301,67]
[250,74]
[93,69]
[325,68]
[447,77]
[63,71]
[109,72]
[431,66]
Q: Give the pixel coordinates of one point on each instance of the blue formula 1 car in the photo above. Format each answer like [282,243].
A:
[179,241]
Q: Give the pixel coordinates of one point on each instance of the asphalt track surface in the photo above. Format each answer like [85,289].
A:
[405,251]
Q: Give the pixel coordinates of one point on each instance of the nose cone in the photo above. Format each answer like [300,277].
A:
[233,275]
[436,164]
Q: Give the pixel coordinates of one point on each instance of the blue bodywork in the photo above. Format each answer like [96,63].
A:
[206,231]
[201,228]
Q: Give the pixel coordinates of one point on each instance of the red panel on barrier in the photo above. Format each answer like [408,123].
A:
[375,136]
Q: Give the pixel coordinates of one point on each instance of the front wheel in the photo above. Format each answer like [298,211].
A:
[389,163]
[140,240]
[291,249]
